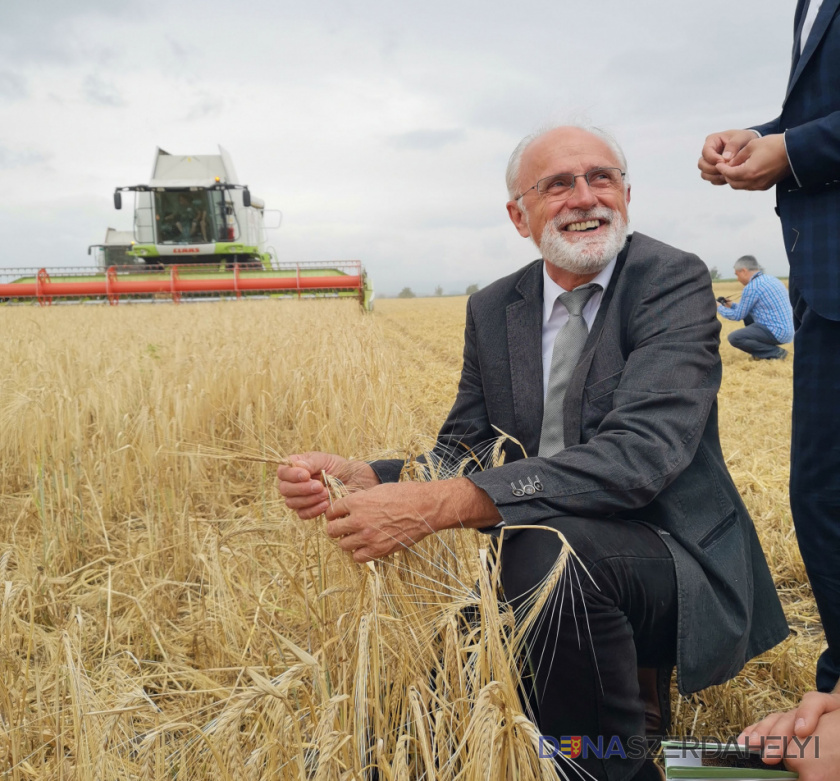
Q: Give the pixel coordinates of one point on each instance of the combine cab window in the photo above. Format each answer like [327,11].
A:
[192,217]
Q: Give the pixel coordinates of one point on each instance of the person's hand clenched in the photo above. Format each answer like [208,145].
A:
[300,482]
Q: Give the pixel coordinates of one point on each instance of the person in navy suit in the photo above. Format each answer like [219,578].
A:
[799,153]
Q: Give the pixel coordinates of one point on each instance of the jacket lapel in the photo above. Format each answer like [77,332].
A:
[826,13]
[524,333]
[573,403]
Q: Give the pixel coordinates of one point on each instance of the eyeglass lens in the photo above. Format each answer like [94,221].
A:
[563,184]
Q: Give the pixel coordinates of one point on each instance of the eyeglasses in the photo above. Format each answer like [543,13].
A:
[561,186]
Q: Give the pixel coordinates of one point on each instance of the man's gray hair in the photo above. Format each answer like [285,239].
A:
[515,161]
[748,262]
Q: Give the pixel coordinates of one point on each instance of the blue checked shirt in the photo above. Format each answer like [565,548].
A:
[766,299]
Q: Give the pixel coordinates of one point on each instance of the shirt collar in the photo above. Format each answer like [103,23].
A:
[551,289]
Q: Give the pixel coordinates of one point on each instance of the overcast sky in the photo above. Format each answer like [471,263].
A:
[381,129]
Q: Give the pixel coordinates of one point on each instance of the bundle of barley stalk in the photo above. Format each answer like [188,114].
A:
[164,616]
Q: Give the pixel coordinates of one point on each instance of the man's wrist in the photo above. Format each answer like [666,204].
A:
[783,167]
[463,504]
[360,474]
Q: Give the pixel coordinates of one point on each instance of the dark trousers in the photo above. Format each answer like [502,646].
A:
[756,339]
[594,632]
[815,471]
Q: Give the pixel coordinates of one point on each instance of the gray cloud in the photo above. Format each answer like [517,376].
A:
[736,221]
[10,159]
[62,33]
[101,93]
[204,108]
[177,49]
[427,139]
[12,86]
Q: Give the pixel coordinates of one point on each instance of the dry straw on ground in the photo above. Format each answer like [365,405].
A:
[164,616]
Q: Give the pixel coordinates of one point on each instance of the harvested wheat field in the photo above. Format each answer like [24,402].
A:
[163,615]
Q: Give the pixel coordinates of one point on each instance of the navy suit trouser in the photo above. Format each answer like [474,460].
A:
[601,622]
[815,471]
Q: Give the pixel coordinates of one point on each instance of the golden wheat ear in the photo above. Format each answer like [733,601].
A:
[231,453]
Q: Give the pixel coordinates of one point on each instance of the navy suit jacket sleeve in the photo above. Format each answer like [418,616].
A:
[768,128]
[814,150]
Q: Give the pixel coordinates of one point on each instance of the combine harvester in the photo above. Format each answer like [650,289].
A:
[198,235]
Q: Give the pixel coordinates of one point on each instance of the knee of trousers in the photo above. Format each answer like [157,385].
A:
[529,557]
[736,338]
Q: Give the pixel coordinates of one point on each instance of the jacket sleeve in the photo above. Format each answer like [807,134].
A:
[768,128]
[652,422]
[814,151]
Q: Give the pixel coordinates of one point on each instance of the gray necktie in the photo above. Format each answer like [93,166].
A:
[568,345]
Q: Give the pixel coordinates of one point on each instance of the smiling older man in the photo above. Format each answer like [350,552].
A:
[601,359]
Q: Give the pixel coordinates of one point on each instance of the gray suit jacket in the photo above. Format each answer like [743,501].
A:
[642,440]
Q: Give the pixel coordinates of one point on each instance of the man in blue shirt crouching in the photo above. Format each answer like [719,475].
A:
[765,309]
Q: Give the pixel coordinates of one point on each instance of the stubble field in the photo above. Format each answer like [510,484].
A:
[163,616]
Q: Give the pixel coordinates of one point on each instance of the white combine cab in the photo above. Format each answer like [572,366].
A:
[194,211]
[115,251]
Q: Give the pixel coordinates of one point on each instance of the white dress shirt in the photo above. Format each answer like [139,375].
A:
[555,315]
[813,10]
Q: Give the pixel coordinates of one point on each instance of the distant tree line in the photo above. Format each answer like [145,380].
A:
[407,292]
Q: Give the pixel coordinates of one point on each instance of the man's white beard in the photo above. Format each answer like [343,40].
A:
[586,254]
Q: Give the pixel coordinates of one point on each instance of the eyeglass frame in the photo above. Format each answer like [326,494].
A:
[575,177]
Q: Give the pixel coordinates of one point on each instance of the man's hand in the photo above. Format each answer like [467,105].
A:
[721,148]
[818,761]
[800,722]
[759,164]
[300,484]
[384,519]
[394,516]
